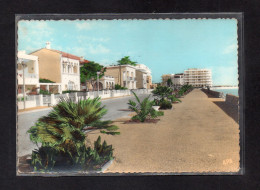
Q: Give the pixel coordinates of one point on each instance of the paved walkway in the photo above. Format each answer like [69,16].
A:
[195,136]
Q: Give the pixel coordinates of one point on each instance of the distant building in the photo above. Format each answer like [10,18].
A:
[124,75]
[60,67]
[177,80]
[153,86]
[143,76]
[198,77]
[165,78]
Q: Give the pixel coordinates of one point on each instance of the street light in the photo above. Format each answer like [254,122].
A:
[98,73]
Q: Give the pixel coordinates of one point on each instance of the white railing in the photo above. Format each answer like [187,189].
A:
[53,99]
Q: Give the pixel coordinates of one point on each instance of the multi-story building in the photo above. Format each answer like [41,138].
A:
[198,77]
[105,83]
[165,78]
[59,67]
[141,79]
[143,76]
[177,80]
[27,65]
[124,75]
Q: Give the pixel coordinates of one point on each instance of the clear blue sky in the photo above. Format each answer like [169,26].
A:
[165,46]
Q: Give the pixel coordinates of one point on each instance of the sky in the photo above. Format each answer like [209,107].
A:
[165,46]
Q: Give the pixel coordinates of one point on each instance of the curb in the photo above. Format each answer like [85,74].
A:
[106,165]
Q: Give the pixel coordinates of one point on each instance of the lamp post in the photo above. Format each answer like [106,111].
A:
[98,73]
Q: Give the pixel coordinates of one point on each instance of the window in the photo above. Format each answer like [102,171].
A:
[69,69]
[70,85]
[75,69]
[64,68]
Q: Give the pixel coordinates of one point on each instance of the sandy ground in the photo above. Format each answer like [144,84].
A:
[195,136]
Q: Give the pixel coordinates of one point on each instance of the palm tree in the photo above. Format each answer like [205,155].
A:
[143,109]
[126,61]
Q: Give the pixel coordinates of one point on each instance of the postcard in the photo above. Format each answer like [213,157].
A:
[128,96]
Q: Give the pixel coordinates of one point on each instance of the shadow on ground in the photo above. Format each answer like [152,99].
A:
[231,111]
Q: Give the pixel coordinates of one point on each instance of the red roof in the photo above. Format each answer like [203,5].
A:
[70,56]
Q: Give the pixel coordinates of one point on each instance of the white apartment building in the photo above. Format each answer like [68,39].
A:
[27,64]
[198,77]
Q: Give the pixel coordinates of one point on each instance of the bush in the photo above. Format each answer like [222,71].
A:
[165,104]
[119,87]
[143,110]
[70,91]
[62,136]
[172,98]
[162,92]
[45,81]
[44,92]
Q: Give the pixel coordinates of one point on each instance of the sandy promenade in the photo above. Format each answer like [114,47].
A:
[196,136]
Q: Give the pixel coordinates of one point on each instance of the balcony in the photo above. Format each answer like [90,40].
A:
[129,78]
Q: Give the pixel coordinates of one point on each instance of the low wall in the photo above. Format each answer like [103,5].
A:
[213,93]
[232,100]
[51,100]
[28,104]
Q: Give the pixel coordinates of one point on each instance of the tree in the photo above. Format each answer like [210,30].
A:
[169,82]
[126,61]
[88,72]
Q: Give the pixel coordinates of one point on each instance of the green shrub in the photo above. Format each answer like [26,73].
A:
[172,98]
[119,87]
[45,81]
[62,136]
[165,104]
[162,92]
[70,91]
[44,92]
[143,110]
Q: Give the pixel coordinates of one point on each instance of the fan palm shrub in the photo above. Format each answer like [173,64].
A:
[162,92]
[62,136]
[165,104]
[143,109]
[173,98]
[84,113]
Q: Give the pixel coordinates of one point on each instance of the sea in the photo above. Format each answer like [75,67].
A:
[233,91]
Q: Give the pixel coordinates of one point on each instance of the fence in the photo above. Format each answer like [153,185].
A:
[53,99]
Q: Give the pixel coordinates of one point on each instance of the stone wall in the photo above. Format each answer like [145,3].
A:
[213,93]
[232,100]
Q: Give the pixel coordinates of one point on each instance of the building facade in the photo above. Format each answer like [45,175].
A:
[198,77]
[60,67]
[143,76]
[124,75]
[177,80]
[165,78]
[141,79]
[27,65]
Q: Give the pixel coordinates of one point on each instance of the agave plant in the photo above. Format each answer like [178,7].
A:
[143,109]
